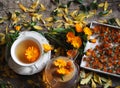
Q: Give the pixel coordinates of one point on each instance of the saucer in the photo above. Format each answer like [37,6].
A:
[34,68]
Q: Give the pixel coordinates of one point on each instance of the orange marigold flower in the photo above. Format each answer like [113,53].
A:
[78,27]
[62,71]
[70,36]
[32,53]
[17,28]
[87,31]
[47,47]
[60,63]
[76,42]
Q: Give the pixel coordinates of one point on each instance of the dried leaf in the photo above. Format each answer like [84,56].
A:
[66,11]
[117,21]
[2,38]
[106,6]
[49,19]
[12,31]
[97,79]
[87,79]
[37,27]
[48,24]
[117,87]
[1,20]
[93,84]
[101,5]
[104,79]
[22,7]
[80,17]
[59,25]
[109,12]
[35,4]
[108,84]
[74,13]
[43,8]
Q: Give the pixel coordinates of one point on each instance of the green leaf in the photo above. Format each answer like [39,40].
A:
[84,8]
[58,30]
[94,6]
[103,13]
[33,23]
[79,1]
[69,3]
[111,21]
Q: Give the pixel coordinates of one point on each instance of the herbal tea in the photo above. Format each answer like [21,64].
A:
[27,51]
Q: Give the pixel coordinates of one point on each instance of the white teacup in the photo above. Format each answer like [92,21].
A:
[21,67]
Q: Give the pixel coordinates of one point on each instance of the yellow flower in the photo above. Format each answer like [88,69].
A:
[47,47]
[87,31]
[32,53]
[60,63]
[78,27]
[70,36]
[76,42]
[61,71]
[17,28]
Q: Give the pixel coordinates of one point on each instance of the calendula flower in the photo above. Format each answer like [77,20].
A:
[63,67]
[70,36]
[78,27]
[32,53]
[60,63]
[76,42]
[87,31]
[17,28]
[61,71]
[47,47]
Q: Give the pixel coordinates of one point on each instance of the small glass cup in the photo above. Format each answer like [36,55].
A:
[56,80]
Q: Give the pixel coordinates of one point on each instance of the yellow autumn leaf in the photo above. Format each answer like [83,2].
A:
[12,31]
[66,11]
[80,17]
[2,38]
[97,79]
[82,74]
[117,87]
[49,19]
[43,8]
[22,7]
[117,21]
[48,24]
[101,5]
[74,13]
[93,85]
[108,84]
[106,5]
[37,27]
[59,25]
[35,4]
[87,79]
